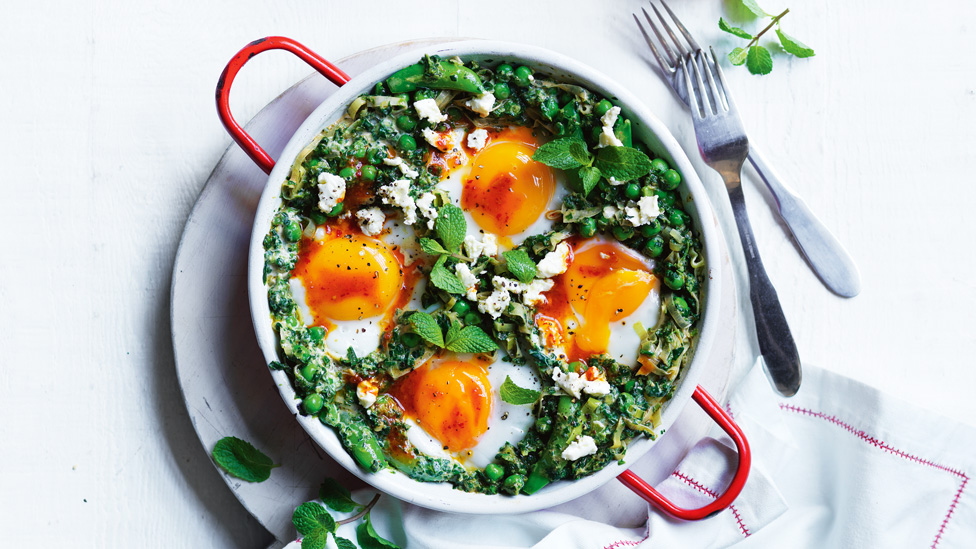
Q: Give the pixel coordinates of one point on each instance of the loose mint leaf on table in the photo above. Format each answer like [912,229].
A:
[343,543]
[513,394]
[450,226]
[242,460]
[558,153]
[589,177]
[368,538]
[336,496]
[520,264]
[758,60]
[444,279]
[314,523]
[470,339]
[794,46]
[432,247]
[426,327]
[622,163]
[753,6]
[722,24]
[738,56]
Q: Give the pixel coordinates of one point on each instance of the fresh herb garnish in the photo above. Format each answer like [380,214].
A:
[617,163]
[314,523]
[757,58]
[368,538]
[469,339]
[242,460]
[520,264]
[426,327]
[513,394]
[337,497]
[451,227]
[441,277]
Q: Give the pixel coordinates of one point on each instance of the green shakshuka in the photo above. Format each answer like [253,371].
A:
[478,276]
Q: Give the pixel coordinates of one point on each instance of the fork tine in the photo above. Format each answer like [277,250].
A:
[667,28]
[718,101]
[706,104]
[729,102]
[665,66]
[696,114]
[684,31]
[664,43]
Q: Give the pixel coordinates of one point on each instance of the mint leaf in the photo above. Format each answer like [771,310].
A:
[580,153]
[343,543]
[471,339]
[452,332]
[752,6]
[590,177]
[738,56]
[432,247]
[622,163]
[513,394]
[427,328]
[722,24]
[444,279]
[520,264]
[314,523]
[368,538]
[242,460]
[558,153]
[336,496]
[450,226]
[794,46]
[758,60]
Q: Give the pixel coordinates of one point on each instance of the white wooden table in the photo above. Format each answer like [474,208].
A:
[108,132]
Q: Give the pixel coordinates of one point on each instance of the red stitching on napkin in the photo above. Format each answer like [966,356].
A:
[709,492]
[624,542]
[891,450]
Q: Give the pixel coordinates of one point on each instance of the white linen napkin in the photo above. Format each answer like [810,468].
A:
[856,468]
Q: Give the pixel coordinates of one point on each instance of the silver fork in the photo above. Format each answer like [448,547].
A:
[724,146]
[825,254]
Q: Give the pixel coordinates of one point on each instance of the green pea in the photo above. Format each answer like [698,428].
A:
[309,372]
[514,483]
[659,166]
[622,233]
[406,123]
[377,155]
[654,246]
[647,190]
[502,91]
[543,424]
[681,306]
[671,180]
[665,198]
[313,403]
[410,339]
[347,173]
[368,172]
[677,218]
[522,75]
[603,107]
[674,279]
[424,93]
[632,191]
[359,148]
[504,72]
[651,228]
[602,222]
[407,142]
[472,318]
[293,231]
[575,366]
[336,210]
[587,227]
[316,333]
[461,307]
[494,471]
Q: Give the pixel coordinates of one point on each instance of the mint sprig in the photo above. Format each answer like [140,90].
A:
[426,327]
[520,264]
[242,460]
[618,163]
[441,277]
[451,227]
[622,163]
[466,339]
[337,497]
[513,394]
[368,538]
[314,523]
[756,57]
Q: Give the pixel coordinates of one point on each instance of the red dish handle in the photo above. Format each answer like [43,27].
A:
[250,146]
[725,421]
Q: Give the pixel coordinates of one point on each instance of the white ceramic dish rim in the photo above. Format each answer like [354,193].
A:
[442,496]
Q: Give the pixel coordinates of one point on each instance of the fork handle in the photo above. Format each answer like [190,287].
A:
[782,361]
[826,255]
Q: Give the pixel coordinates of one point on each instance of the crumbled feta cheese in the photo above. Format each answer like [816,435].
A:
[496,303]
[584,445]
[534,290]
[482,103]
[425,205]
[448,142]
[404,167]
[555,263]
[395,161]
[398,194]
[478,139]
[507,284]
[641,212]
[468,279]
[488,245]
[427,108]
[608,139]
[432,137]
[649,207]
[609,212]
[371,221]
[574,384]
[610,117]
[596,387]
[614,182]
[332,190]
[367,393]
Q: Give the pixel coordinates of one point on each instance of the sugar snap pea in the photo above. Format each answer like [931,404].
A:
[439,75]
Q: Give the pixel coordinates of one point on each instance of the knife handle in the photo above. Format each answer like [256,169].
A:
[776,343]
[825,254]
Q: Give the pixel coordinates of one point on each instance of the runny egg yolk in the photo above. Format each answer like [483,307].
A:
[507,191]
[349,277]
[451,400]
[604,283]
